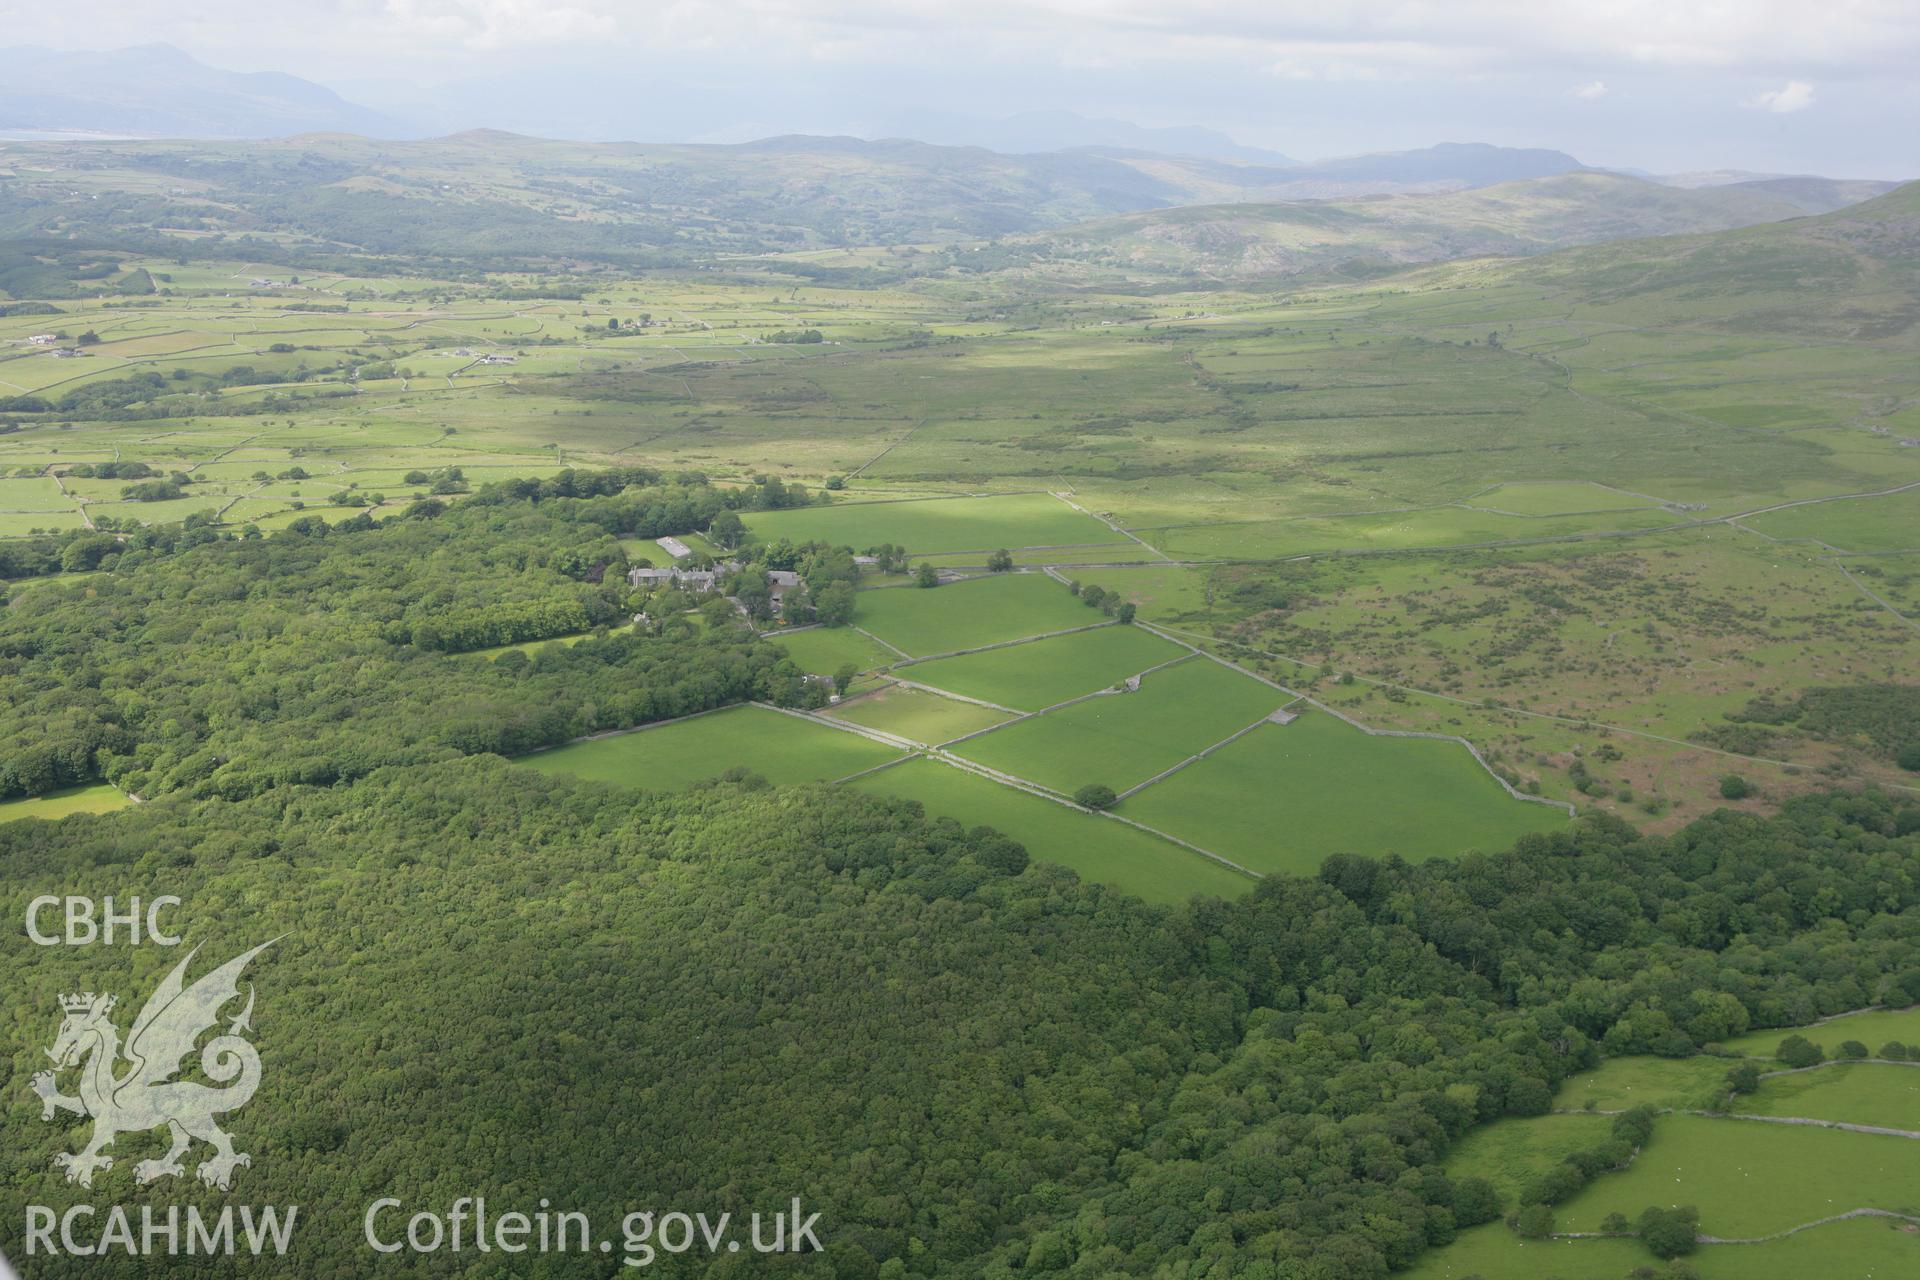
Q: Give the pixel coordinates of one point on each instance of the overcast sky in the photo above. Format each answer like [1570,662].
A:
[1668,85]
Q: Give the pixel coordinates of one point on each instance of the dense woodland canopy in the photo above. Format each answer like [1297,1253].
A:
[223,665]
[970,1065]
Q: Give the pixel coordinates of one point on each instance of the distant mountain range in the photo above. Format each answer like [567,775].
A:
[155,90]
[1057,191]
[1358,236]
[491,194]
[1450,166]
[158,91]
[1083,166]
[1036,131]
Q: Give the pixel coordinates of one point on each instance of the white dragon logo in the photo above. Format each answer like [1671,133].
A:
[146,1095]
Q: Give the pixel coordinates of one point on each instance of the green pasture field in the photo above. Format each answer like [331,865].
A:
[1028,677]
[1751,1179]
[965,615]
[36,493]
[1558,498]
[1857,1249]
[781,748]
[1494,1252]
[21,524]
[917,714]
[167,511]
[1097,848]
[1890,523]
[824,650]
[100,798]
[1122,739]
[929,525]
[1284,797]
[651,549]
[1512,1151]
[1162,593]
[1396,531]
[1128,553]
[1873,1028]
[1642,1080]
[531,647]
[1272,427]
[1872,1093]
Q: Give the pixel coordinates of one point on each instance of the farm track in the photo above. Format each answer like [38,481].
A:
[941,750]
[911,748]
[998,644]
[1778,1235]
[1808,1226]
[1113,526]
[79,503]
[1197,756]
[1132,683]
[882,643]
[889,449]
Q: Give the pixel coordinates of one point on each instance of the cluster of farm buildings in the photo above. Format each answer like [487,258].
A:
[703,582]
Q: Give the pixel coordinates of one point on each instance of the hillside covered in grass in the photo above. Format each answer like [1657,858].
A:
[1850,274]
[1244,241]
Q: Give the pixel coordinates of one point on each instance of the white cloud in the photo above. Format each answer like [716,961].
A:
[1794,95]
[1591,90]
[1329,39]
[498,24]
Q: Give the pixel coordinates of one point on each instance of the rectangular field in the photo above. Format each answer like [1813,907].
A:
[1097,848]
[33,493]
[824,650]
[1873,1028]
[1642,1080]
[1122,739]
[1397,531]
[926,526]
[784,749]
[965,615]
[1028,677]
[1890,523]
[1873,1093]
[100,798]
[22,524]
[1553,498]
[1284,797]
[1512,1151]
[917,714]
[1751,1179]
[1857,1249]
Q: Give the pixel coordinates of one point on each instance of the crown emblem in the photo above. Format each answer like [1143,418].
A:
[87,1002]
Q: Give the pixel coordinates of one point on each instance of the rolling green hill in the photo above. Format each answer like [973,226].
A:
[1852,273]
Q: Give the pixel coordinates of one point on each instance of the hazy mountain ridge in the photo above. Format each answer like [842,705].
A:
[488,194]
[501,192]
[1516,218]
[1036,131]
[157,90]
